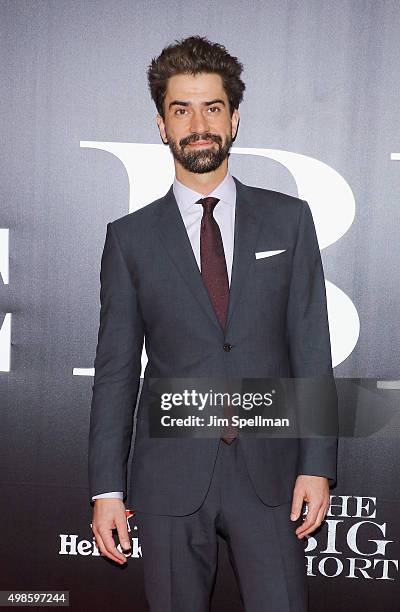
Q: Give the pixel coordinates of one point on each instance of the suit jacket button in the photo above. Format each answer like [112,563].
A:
[227,347]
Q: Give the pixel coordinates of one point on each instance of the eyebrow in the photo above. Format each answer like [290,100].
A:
[182,103]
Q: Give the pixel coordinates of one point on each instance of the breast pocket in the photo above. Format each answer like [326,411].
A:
[270,260]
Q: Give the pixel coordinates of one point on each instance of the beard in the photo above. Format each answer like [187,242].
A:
[203,160]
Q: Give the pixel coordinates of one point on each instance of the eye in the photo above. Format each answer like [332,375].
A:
[214,108]
[178,111]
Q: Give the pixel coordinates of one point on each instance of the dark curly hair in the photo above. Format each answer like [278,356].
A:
[194,55]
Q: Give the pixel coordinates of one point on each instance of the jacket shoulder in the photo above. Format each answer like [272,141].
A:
[138,218]
[282,206]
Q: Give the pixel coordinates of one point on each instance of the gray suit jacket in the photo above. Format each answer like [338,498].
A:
[151,288]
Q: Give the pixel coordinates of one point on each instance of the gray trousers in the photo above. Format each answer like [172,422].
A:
[180,552]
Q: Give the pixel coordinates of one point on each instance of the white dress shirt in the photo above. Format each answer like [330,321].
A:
[224,214]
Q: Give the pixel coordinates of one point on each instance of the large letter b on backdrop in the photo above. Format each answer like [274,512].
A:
[329,196]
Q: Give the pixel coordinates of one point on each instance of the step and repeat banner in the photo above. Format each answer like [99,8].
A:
[80,148]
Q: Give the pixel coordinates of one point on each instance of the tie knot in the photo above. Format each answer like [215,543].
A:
[208,204]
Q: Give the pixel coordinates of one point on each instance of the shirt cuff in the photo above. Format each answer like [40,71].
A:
[112,494]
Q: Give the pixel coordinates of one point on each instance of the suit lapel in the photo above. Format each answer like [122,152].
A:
[247,226]
[175,239]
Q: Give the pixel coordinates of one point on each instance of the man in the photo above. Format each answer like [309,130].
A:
[182,272]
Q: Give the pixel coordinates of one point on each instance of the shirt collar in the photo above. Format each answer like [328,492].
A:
[186,197]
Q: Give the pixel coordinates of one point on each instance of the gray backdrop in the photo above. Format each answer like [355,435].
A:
[322,80]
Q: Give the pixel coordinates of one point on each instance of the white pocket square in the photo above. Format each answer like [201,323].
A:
[262,254]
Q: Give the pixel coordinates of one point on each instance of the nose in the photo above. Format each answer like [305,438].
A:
[199,123]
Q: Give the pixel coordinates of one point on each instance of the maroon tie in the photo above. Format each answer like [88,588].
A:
[213,263]
[215,278]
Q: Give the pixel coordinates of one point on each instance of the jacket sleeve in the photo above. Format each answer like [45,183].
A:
[310,355]
[117,372]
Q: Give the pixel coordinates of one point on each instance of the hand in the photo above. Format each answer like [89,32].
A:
[315,491]
[109,514]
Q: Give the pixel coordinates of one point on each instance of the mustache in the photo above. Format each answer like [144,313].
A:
[197,137]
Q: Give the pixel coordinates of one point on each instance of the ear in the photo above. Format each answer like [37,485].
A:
[161,127]
[235,120]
